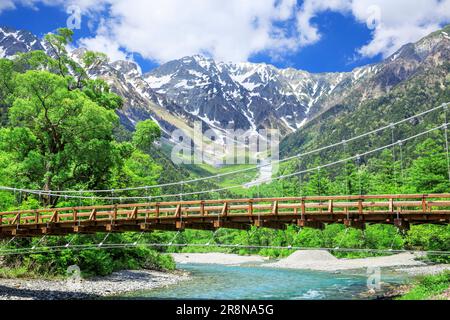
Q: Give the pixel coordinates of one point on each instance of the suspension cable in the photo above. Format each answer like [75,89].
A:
[358,161]
[402,176]
[347,177]
[319,191]
[393,156]
[161,245]
[446,141]
[444,105]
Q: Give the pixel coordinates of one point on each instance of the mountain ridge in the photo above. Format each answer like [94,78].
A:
[414,79]
[248,96]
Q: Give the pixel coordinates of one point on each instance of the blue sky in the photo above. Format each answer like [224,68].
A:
[335,38]
[336,51]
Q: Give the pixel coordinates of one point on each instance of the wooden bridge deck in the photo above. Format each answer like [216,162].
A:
[276,213]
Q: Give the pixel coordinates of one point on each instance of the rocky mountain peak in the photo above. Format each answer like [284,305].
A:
[127,67]
[245,95]
[14,41]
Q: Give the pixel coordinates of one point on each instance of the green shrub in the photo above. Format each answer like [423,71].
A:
[93,261]
[428,287]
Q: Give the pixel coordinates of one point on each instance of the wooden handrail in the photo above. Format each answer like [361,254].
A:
[421,207]
[255,200]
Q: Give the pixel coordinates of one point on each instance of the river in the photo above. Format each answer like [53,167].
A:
[210,281]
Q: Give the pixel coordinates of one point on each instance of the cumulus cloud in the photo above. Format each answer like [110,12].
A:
[393,23]
[6,5]
[234,30]
[103,42]
[226,30]
[309,33]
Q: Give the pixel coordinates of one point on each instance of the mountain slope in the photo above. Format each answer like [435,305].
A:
[15,41]
[250,96]
[220,95]
[414,79]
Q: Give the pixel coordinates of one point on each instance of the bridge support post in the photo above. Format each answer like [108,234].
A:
[402,224]
[355,223]
[180,225]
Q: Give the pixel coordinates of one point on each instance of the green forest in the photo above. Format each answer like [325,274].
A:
[59,131]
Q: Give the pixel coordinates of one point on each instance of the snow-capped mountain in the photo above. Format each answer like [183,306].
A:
[202,89]
[15,41]
[141,101]
[247,95]
[244,96]
[221,95]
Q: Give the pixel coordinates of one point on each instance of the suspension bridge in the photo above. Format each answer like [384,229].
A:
[144,213]
[275,213]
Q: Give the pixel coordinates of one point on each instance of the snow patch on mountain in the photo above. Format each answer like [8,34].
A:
[14,41]
[158,82]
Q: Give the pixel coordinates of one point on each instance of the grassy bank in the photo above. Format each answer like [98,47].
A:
[92,261]
[429,287]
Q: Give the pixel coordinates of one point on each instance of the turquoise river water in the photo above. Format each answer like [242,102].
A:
[210,281]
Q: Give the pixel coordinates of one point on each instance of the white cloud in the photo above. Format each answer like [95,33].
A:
[234,30]
[395,22]
[309,33]
[227,30]
[104,44]
[6,5]
[167,29]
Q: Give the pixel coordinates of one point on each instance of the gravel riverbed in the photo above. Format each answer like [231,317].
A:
[93,288]
[320,260]
[217,258]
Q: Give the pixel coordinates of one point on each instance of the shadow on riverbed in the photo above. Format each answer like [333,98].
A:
[8,293]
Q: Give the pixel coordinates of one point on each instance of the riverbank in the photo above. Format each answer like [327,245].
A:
[118,283]
[319,260]
[319,266]
[435,286]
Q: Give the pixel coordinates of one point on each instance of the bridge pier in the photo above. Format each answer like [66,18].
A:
[180,225]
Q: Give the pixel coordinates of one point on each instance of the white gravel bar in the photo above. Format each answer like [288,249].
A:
[216,258]
[320,260]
